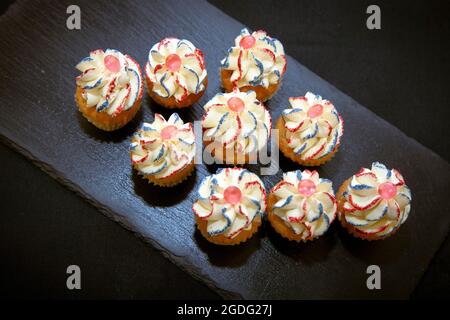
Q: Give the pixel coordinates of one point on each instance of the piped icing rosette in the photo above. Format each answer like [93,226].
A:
[111,81]
[176,68]
[255,59]
[305,203]
[237,119]
[229,201]
[376,201]
[313,127]
[163,148]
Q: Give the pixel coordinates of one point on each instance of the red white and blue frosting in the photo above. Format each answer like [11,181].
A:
[111,81]
[229,201]
[256,59]
[163,148]
[377,200]
[237,119]
[305,202]
[313,126]
[176,68]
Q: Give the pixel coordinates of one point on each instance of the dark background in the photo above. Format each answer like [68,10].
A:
[399,72]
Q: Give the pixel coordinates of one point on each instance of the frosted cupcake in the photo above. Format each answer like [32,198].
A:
[175,73]
[255,62]
[163,151]
[302,205]
[310,131]
[109,88]
[230,205]
[235,127]
[374,203]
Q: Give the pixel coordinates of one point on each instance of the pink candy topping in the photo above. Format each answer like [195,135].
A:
[173,62]
[247,42]
[315,111]
[236,104]
[232,195]
[112,63]
[306,187]
[168,132]
[387,190]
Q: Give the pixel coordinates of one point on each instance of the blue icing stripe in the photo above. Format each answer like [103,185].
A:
[183,42]
[222,119]
[379,165]
[291,110]
[103,106]
[257,204]
[160,169]
[94,85]
[389,174]
[334,112]
[133,145]
[255,124]
[85,60]
[345,193]
[160,154]
[286,202]
[176,116]
[267,130]
[164,86]
[321,180]
[202,182]
[277,73]
[301,149]
[214,232]
[186,142]
[314,133]
[146,127]
[150,56]
[333,144]
[360,187]
[257,79]
[270,42]
[320,207]
[245,31]
[299,175]
[197,86]
[241,175]
[138,84]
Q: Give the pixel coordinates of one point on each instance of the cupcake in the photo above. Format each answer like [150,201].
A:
[230,206]
[255,62]
[109,89]
[302,206]
[310,130]
[374,203]
[235,127]
[175,73]
[163,151]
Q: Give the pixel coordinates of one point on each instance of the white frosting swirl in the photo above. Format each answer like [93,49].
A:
[229,201]
[110,81]
[377,200]
[305,202]
[237,119]
[313,126]
[256,59]
[176,68]
[162,148]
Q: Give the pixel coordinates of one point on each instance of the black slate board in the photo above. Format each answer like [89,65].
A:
[39,118]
